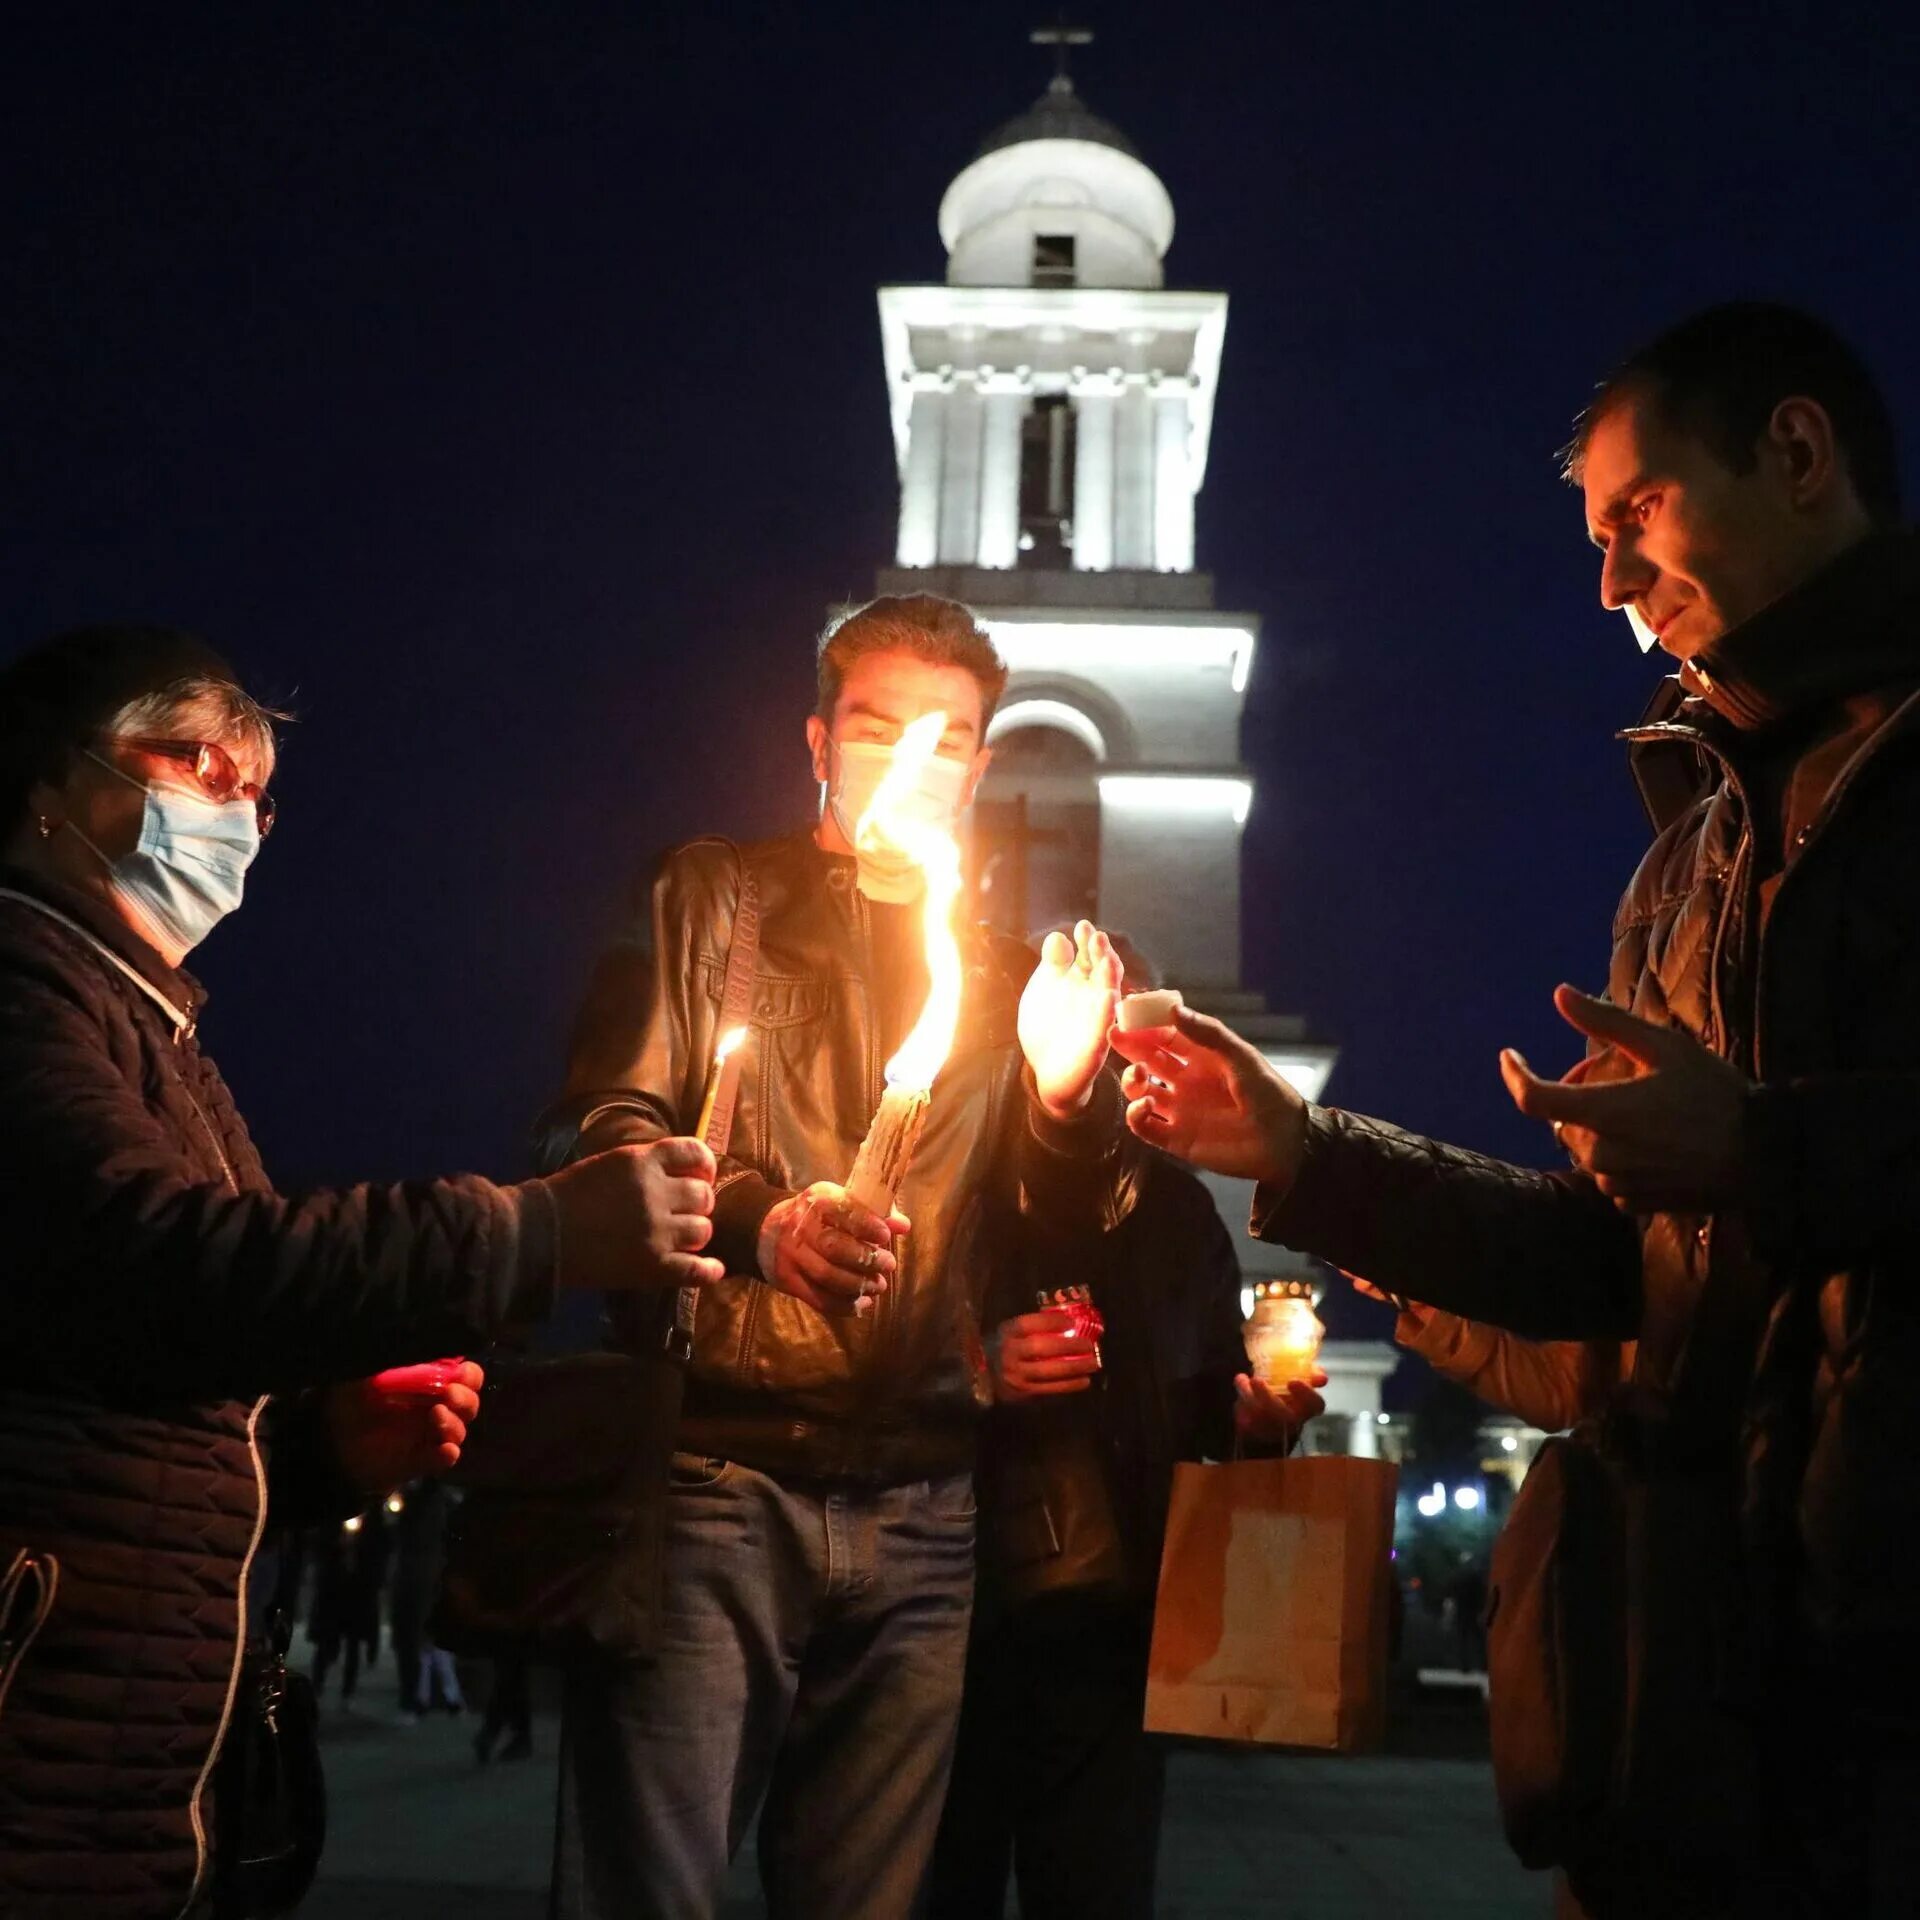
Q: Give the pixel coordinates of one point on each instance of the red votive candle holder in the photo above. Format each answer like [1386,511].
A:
[1084,1321]
[425,1380]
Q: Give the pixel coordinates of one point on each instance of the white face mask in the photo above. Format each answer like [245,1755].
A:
[859,768]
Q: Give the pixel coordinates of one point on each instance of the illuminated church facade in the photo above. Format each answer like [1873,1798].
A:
[1052,402]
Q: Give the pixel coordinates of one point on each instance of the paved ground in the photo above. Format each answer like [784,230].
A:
[419,1831]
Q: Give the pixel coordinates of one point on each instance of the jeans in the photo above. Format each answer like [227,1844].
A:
[813,1640]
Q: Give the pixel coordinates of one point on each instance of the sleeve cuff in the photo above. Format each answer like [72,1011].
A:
[533,1265]
[740,1210]
[1268,1217]
[1085,1135]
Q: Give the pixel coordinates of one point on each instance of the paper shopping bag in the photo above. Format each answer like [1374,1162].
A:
[1272,1617]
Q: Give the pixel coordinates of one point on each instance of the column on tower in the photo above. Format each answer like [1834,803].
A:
[1006,398]
[1172,476]
[1133,476]
[1093,402]
[919,542]
[960,473]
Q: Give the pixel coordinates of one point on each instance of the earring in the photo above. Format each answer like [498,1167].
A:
[46,827]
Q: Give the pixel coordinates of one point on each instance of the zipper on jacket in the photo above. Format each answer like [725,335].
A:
[17,1635]
[213,1138]
[1870,749]
[1901,720]
[202,1863]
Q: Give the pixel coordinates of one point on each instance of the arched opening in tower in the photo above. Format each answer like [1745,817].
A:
[1036,833]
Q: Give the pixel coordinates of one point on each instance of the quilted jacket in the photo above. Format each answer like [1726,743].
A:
[155,1290]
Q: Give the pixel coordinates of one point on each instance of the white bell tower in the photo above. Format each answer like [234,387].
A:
[1052,403]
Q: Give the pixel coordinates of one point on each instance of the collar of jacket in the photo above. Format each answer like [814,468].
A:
[1854,626]
[176,990]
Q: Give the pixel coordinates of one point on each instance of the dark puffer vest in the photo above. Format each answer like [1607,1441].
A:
[155,1290]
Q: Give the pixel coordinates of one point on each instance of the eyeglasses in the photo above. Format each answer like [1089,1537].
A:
[212,766]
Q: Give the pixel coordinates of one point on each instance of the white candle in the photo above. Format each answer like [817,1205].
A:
[1139,1010]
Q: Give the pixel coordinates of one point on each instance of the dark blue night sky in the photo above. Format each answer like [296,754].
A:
[502,387]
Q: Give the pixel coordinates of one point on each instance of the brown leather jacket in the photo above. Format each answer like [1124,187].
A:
[894,1395]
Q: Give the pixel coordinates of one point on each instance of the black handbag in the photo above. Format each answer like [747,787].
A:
[269,1793]
[555,1550]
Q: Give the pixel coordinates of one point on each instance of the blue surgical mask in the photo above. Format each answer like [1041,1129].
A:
[189,867]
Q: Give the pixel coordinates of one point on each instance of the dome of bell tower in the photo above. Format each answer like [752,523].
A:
[1056,197]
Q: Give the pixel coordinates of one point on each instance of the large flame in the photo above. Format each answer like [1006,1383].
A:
[888,823]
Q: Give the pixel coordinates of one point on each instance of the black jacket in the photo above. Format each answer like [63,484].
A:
[1812,1343]
[155,1289]
[893,1395]
[1167,1284]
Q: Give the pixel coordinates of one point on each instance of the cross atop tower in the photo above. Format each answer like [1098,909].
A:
[1062,39]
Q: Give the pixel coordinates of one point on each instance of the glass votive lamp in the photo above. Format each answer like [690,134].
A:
[1284,1335]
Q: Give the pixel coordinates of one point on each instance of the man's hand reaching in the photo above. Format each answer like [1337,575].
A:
[1666,1140]
[1210,1097]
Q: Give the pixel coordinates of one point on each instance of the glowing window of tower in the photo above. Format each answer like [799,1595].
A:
[1046,483]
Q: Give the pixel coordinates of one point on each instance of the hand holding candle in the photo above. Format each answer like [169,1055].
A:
[402,1423]
[424,1380]
[1037,1356]
[823,1247]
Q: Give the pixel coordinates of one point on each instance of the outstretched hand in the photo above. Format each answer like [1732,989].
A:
[1668,1139]
[1065,1012]
[1273,1417]
[1207,1096]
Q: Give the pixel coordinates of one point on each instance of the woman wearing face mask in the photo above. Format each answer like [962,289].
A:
[156,1290]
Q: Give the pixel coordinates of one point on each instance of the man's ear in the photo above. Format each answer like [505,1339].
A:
[820,745]
[1800,438]
[976,772]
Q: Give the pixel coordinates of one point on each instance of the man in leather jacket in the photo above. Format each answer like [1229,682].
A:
[819,1539]
[1745,1143]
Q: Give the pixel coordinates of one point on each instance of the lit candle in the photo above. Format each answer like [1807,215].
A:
[1139,1010]
[722,1054]
[1284,1335]
[880,1167]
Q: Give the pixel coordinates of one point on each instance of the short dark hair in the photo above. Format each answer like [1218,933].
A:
[60,695]
[1719,375]
[941,632]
